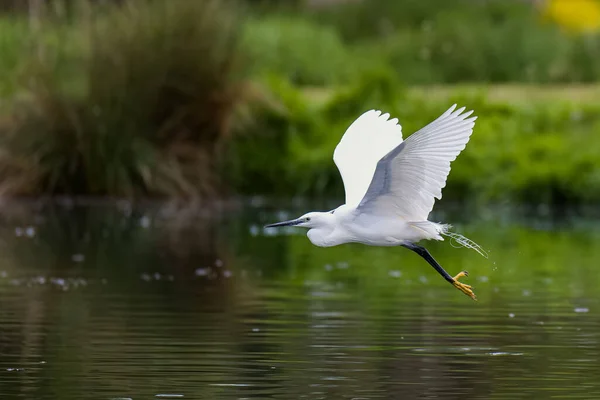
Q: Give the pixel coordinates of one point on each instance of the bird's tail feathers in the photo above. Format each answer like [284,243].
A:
[458,240]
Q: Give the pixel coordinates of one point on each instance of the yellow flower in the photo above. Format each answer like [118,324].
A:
[580,16]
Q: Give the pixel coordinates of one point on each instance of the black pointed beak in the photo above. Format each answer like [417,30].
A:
[291,222]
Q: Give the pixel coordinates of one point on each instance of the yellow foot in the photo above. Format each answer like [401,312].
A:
[466,289]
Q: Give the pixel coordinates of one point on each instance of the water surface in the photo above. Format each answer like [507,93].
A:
[115,301]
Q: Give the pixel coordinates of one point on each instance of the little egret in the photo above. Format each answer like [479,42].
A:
[391,186]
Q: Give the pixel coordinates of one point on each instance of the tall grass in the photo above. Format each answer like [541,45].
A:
[12,39]
[141,108]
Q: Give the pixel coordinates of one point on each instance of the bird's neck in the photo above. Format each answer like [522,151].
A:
[321,236]
[332,233]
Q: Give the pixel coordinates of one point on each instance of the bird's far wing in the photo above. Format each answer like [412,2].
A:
[410,177]
[369,138]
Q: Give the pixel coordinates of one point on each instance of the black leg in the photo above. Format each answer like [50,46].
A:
[422,251]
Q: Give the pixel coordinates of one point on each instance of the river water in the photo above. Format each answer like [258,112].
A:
[121,302]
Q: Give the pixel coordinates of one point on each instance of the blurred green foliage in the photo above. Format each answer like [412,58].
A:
[12,35]
[430,41]
[364,53]
[140,99]
[305,52]
[543,152]
[133,100]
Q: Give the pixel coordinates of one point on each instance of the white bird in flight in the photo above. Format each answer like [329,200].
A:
[391,186]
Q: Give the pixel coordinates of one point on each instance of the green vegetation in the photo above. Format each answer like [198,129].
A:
[432,41]
[144,98]
[535,152]
[133,101]
[304,52]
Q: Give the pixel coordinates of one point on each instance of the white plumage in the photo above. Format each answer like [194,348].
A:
[412,174]
[365,142]
[391,185]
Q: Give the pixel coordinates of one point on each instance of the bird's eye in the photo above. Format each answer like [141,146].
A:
[307,219]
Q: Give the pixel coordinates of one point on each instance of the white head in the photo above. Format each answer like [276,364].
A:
[311,220]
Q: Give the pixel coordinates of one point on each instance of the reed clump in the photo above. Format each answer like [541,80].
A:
[133,99]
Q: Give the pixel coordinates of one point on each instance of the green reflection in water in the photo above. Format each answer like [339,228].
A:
[109,301]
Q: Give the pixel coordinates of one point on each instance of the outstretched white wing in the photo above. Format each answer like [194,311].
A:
[411,176]
[369,138]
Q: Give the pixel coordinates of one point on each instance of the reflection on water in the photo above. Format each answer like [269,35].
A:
[109,302]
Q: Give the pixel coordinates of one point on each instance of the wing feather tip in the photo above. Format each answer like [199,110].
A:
[373,111]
